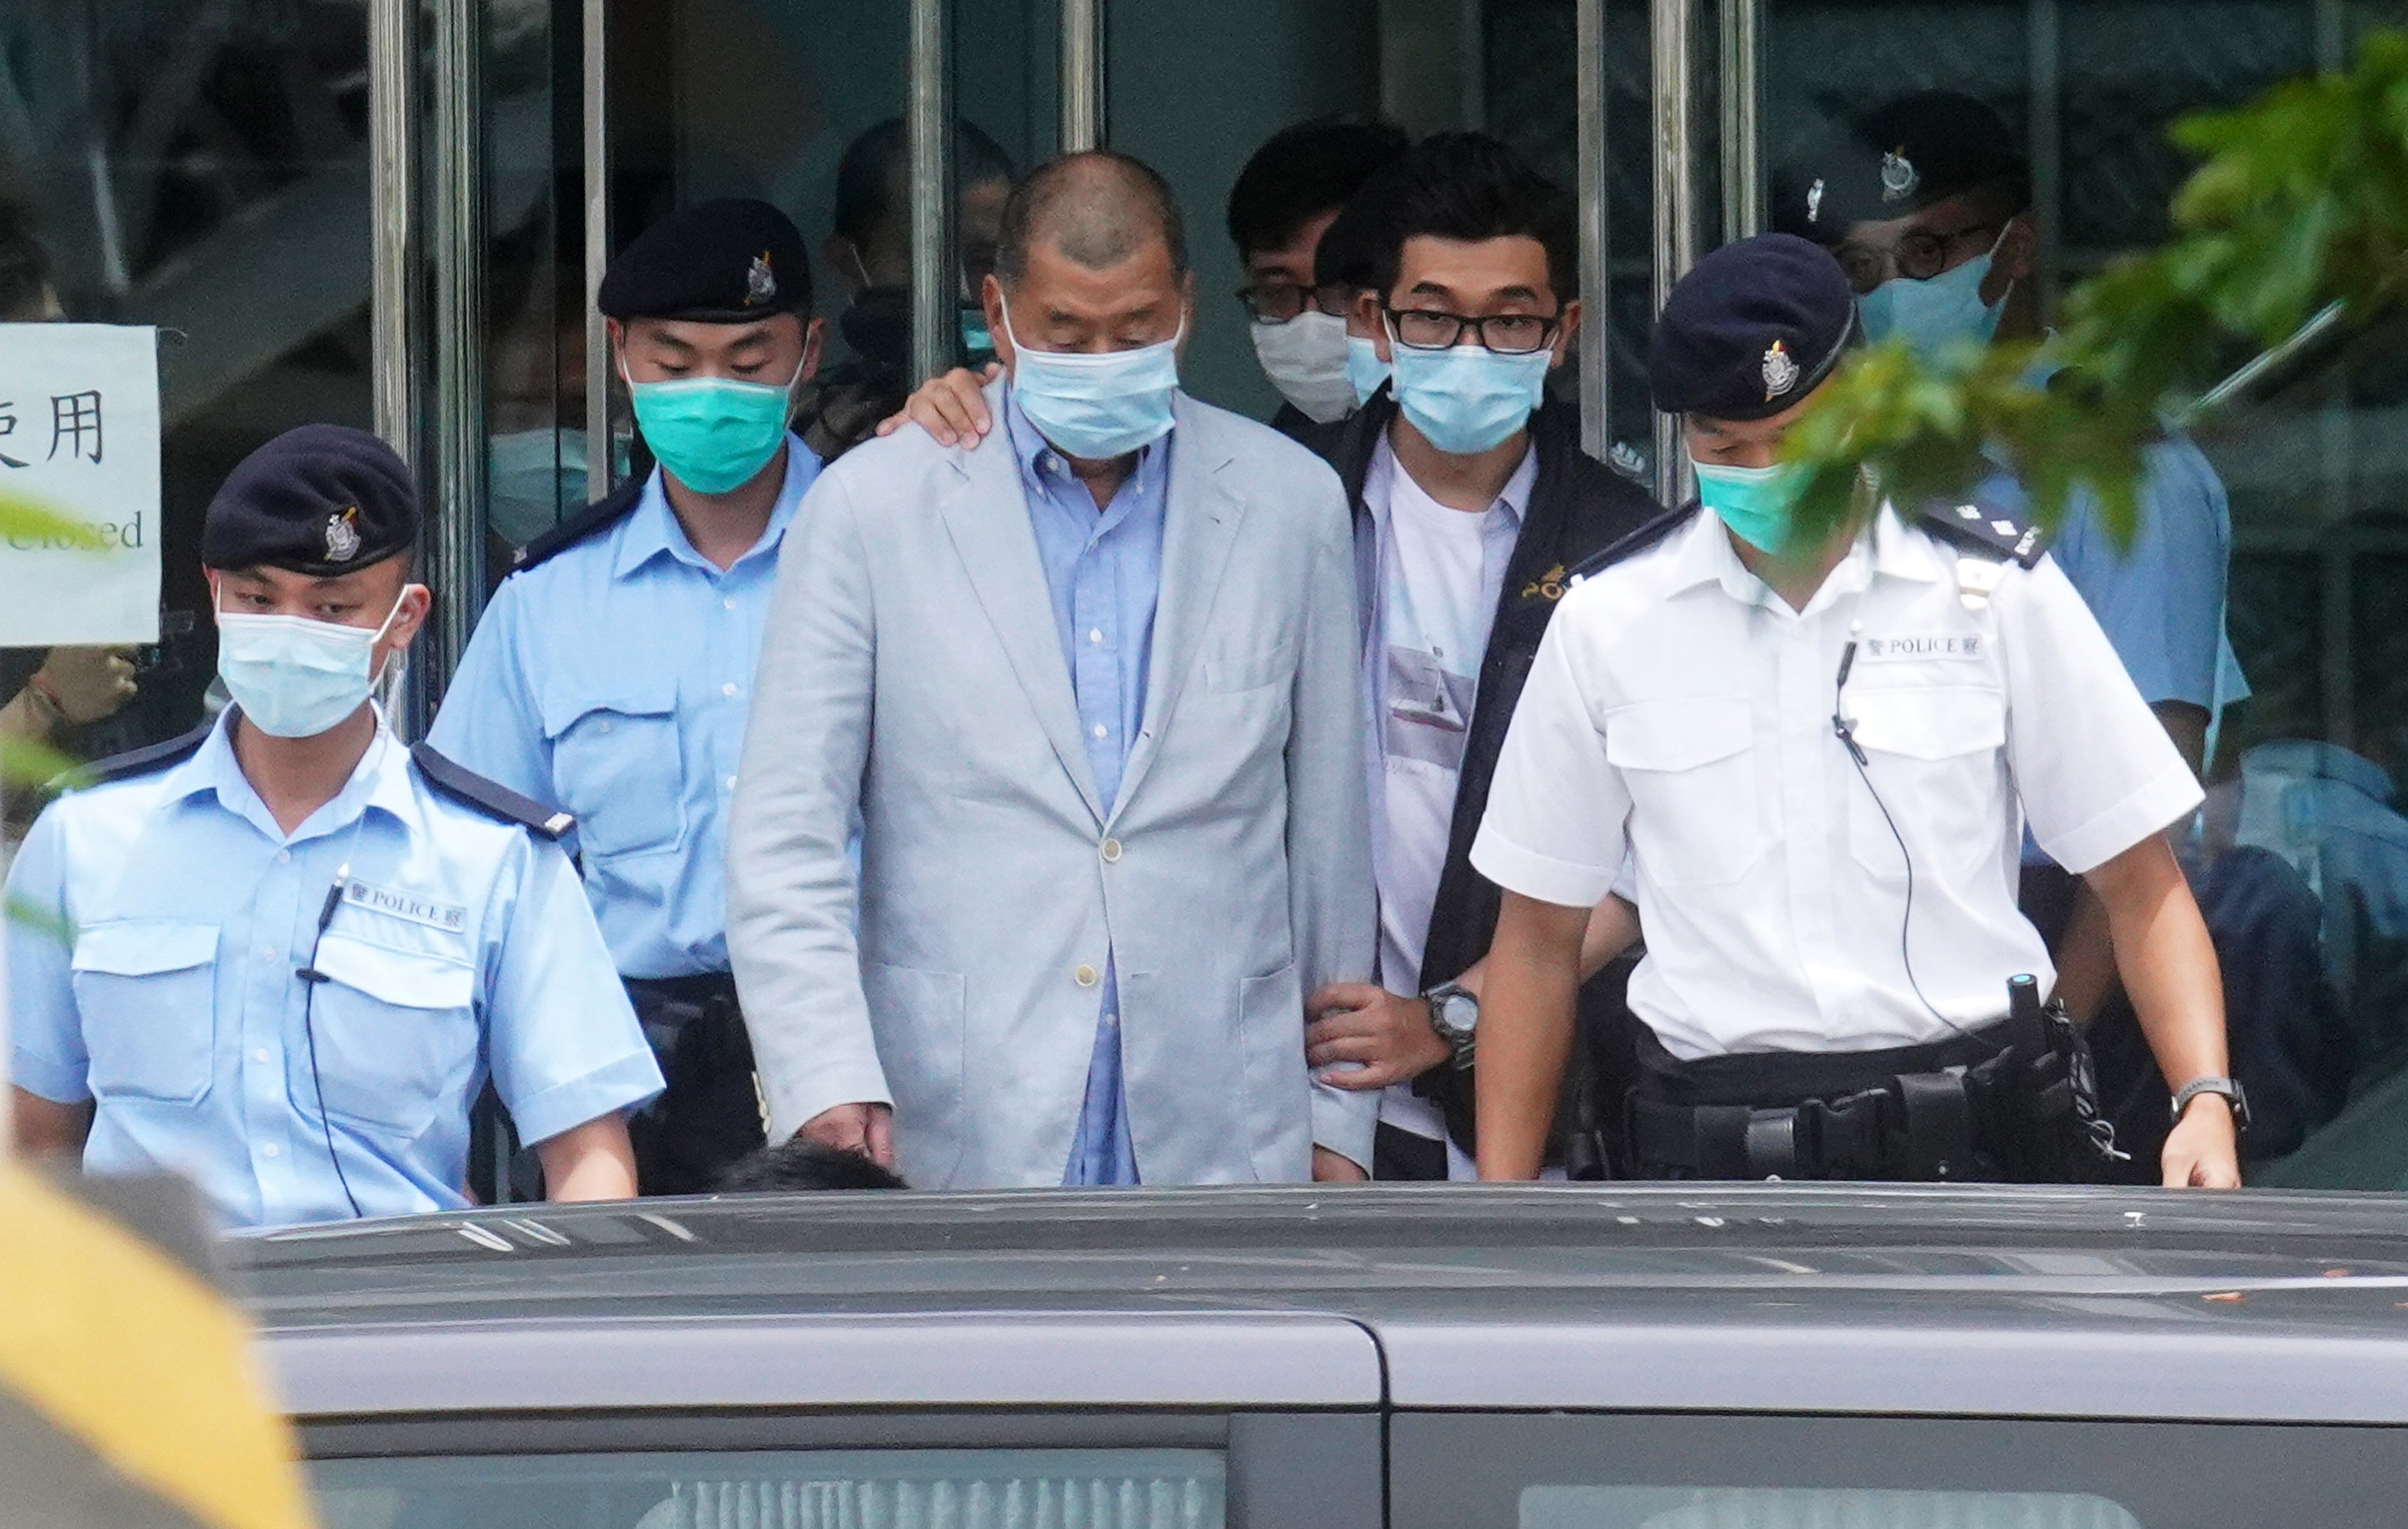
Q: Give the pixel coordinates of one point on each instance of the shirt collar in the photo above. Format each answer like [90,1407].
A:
[1380,478]
[381,780]
[652,531]
[1704,555]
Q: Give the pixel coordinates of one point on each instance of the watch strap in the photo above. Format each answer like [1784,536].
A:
[2229,1087]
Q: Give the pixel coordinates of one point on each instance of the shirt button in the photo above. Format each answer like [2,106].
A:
[1111,1022]
[605,724]
[728,689]
[260,1055]
[268,952]
[1098,730]
[731,783]
[271,1149]
[283,856]
[729,604]
[1085,976]
[1111,851]
[1094,634]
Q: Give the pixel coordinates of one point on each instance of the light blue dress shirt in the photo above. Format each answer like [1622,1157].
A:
[1104,572]
[614,679]
[165,918]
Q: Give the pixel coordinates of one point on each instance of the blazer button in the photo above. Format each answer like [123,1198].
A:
[1085,976]
[1111,851]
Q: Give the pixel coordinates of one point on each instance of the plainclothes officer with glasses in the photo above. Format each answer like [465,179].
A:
[281,956]
[1819,756]
[612,672]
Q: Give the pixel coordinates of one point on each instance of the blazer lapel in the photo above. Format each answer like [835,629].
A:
[1200,518]
[987,516]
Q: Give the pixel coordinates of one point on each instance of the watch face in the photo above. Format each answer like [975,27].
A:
[1456,1014]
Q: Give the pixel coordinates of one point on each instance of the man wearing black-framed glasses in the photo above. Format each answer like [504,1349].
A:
[1284,201]
[1470,498]
[1927,203]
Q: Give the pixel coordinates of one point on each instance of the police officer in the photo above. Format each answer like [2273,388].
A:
[280,954]
[1816,752]
[613,669]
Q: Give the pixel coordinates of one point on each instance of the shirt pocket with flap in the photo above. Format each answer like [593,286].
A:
[617,765]
[1933,752]
[397,1035]
[147,992]
[1690,768]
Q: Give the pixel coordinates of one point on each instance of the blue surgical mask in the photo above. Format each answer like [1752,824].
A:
[1096,405]
[1467,399]
[978,344]
[1758,504]
[295,677]
[531,478]
[1934,315]
[1364,367]
[714,433]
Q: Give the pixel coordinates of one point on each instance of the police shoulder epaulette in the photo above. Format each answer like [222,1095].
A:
[1631,543]
[146,760]
[616,507]
[1985,530]
[495,800]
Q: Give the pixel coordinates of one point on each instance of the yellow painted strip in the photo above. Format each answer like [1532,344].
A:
[119,1346]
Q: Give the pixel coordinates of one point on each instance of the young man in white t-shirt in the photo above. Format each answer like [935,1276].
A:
[1470,499]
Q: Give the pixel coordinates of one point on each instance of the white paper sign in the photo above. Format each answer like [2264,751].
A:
[79,439]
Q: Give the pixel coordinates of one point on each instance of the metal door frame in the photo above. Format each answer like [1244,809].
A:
[429,239]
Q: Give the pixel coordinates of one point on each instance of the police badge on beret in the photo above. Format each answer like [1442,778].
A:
[1898,177]
[342,538]
[1780,372]
[760,282]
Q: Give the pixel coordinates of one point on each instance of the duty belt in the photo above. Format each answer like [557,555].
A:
[2013,1100]
[669,1007]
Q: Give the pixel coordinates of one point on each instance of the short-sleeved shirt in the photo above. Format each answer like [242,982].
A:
[156,971]
[615,678]
[1679,708]
[2160,600]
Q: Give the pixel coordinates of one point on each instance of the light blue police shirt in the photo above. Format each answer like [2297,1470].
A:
[153,967]
[614,679]
[1104,571]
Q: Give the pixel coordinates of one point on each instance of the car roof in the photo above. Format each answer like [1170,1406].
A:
[2038,1302]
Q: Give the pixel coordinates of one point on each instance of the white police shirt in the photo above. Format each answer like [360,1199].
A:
[165,917]
[1678,708]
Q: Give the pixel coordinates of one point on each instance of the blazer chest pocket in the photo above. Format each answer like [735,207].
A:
[396,1034]
[1690,768]
[147,992]
[1248,660]
[616,763]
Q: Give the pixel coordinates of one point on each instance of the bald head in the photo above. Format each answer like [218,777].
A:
[1096,210]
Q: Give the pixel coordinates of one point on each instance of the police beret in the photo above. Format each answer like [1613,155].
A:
[1898,158]
[726,262]
[1751,330]
[323,499]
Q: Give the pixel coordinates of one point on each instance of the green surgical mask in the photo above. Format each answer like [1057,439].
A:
[712,433]
[1757,503]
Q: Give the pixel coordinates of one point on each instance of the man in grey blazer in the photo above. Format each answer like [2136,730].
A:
[1089,683]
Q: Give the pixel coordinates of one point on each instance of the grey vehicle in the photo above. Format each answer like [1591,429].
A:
[1554,1357]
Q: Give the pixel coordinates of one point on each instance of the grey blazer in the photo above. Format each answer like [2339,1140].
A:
[911,670]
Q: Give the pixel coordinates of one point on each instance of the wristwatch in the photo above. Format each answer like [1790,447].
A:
[1454,1014]
[2230,1088]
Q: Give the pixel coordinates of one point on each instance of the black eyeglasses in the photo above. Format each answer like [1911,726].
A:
[1277,302]
[1507,334]
[1918,256]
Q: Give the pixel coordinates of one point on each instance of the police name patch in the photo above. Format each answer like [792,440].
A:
[403,905]
[1905,647]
